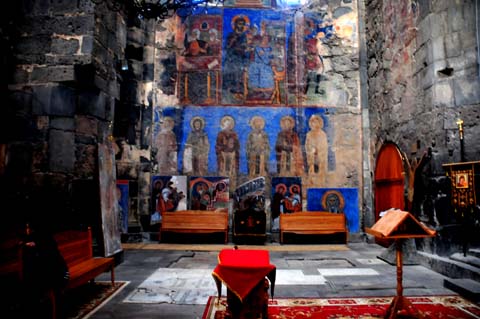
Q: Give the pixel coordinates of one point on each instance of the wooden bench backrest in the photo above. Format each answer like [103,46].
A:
[312,221]
[195,219]
[75,245]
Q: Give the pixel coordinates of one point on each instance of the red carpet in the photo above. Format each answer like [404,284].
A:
[432,307]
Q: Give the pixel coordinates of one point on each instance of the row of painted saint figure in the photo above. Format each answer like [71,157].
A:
[288,149]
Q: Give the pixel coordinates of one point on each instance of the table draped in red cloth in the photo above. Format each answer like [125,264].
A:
[242,270]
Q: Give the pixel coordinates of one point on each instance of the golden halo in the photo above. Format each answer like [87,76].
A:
[244,17]
[257,118]
[287,118]
[225,118]
[315,117]
[197,118]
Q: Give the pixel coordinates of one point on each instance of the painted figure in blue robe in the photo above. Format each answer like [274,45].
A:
[260,73]
[236,58]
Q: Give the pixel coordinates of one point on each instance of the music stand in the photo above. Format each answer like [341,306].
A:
[400,225]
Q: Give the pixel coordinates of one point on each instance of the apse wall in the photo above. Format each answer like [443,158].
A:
[260,89]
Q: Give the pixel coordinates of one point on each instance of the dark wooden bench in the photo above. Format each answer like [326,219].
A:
[195,222]
[77,250]
[313,223]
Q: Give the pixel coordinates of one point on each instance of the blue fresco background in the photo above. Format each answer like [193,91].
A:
[123,201]
[242,118]
[350,196]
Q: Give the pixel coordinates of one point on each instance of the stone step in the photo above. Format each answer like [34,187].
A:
[450,267]
[468,259]
[467,288]
[475,252]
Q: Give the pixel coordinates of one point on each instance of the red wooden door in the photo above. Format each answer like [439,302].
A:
[389,182]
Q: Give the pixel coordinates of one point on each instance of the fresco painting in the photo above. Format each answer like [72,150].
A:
[253,57]
[286,195]
[209,193]
[250,195]
[244,143]
[108,199]
[169,194]
[199,38]
[123,201]
[244,56]
[336,200]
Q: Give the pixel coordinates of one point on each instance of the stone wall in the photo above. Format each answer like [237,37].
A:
[59,99]
[423,77]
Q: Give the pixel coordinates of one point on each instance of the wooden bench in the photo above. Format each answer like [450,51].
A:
[195,222]
[77,250]
[313,223]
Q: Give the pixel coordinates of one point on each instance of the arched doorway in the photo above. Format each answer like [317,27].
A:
[389,182]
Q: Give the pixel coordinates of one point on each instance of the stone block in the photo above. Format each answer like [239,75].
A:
[32,45]
[436,50]
[466,91]
[438,29]
[468,39]
[62,73]
[453,45]
[87,44]
[424,8]
[423,34]
[77,59]
[62,123]
[92,103]
[36,8]
[86,160]
[469,15]
[441,5]
[148,54]
[455,19]
[65,46]
[53,100]
[442,94]
[62,6]
[86,6]
[21,75]
[61,145]
[86,125]
[420,56]
[135,36]
[72,25]
[427,76]
[84,139]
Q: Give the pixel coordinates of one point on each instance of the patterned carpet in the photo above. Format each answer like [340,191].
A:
[82,302]
[430,307]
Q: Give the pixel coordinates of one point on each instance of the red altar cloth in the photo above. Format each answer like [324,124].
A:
[242,270]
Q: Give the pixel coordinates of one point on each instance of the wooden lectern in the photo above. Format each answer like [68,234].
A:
[400,225]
